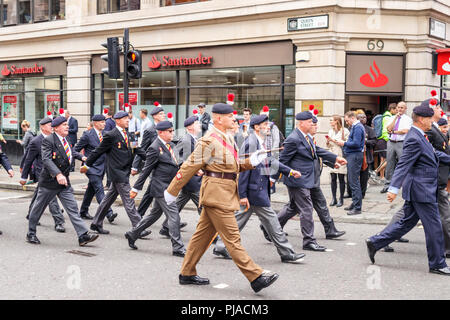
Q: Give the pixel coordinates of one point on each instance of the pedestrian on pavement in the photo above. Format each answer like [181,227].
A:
[6,165]
[58,158]
[370,142]
[28,135]
[33,161]
[161,161]
[134,129]
[145,123]
[417,174]
[116,146]
[89,141]
[73,129]
[337,133]
[204,118]
[245,127]
[109,123]
[381,146]
[216,154]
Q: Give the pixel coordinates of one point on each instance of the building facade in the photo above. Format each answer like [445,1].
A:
[287,54]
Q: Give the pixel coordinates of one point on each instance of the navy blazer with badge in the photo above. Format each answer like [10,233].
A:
[254,184]
[32,158]
[184,148]
[298,156]
[159,161]
[440,142]
[417,169]
[89,141]
[120,157]
[55,161]
[73,129]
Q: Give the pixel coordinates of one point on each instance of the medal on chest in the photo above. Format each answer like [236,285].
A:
[161,150]
[119,145]
[54,155]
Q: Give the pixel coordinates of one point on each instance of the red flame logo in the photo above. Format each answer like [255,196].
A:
[374,79]
[5,71]
[154,63]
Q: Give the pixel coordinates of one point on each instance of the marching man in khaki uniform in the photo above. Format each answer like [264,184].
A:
[216,154]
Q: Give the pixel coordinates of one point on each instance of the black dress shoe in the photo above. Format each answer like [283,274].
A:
[98,229]
[384,190]
[182,225]
[60,228]
[31,238]
[314,247]
[371,250]
[84,239]
[193,280]
[164,232]
[447,254]
[179,253]
[224,254]
[388,249]
[403,240]
[295,258]
[131,241]
[263,281]
[443,271]
[350,207]
[333,202]
[353,212]
[334,235]
[145,233]
[347,196]
[86,216]
[340,203]
[112,217]
[265,233]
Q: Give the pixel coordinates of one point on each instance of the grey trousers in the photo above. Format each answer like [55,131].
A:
[53,206]
[393,154]
[301,202]
[159,207]
[444,212]
[182,199]
[269,220]
[116,189]
[43,198]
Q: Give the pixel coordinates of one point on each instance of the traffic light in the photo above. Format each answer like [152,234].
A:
[113,70]
[134,64]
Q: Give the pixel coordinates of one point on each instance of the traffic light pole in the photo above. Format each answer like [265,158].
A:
[126,46]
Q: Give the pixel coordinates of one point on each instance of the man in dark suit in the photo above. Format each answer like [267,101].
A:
[5,163]
[116,146]
[161,161]
[33,160]
[300,154]
[204,118]
[254,194]
[73,129]
[417,173]
[89,141]
[57,159]
[109,125]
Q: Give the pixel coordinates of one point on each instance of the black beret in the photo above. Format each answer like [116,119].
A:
[58,120]
[305,115]
[120,115]
[424,111]
[163,125]
[315,120]
[190,121]
[258,119]
[45,121]
[222,108]
[427,102]
[156,111]
[442,122]
[98,117]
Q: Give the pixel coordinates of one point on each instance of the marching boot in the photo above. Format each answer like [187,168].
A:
[332,232]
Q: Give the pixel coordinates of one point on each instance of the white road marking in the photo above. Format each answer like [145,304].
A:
[329,250]
[221,286]
[351,244]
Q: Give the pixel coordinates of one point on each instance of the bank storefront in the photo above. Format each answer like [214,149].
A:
[258,74]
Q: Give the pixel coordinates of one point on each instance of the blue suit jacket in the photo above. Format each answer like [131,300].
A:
[418,169]
[254,184]
[89,141]
[297,155]
[110,124]
[183,150]
[33,158]
[73,129]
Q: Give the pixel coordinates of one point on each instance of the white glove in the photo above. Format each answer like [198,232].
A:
[169,198]
[256,158]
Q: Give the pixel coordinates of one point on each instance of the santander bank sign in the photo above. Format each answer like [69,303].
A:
[167,61]
[14,70]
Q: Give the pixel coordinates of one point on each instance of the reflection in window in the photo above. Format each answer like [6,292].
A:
[58,9]
[236,76]
[25,11]
[41,10]
[166,3]
[15,12]
[9,12]
[111,6]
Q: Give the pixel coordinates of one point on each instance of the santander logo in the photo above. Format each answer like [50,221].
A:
[374,79]
[154,63]
[5,71]
[446,66]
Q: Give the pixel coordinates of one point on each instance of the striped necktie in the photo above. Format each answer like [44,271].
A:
[125,137]
[309,142]
[171,153]
[100,137]
[67,149]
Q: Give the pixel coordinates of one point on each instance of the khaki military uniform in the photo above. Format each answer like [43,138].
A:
[219,198]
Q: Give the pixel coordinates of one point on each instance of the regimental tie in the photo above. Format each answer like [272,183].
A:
[426,137]
[309,142]
[171,153]
[100,137]
[67,149]
[126,137]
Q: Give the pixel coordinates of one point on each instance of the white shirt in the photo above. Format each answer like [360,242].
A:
[405,123]
[261,141]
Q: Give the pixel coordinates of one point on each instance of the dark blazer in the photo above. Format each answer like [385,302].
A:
[33,158]
[55,161]
[255,184]
[297,155]
[371,141]
[119,156]
[418,168]
[183,150]
[73,129]
[160,162]
[204,121]
[109,124]
[147,139]
[440,142]
[355,141]
[89,141]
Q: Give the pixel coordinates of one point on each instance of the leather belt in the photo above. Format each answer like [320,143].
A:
[222,175]
[395,141]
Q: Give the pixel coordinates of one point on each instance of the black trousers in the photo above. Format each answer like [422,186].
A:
[334,178]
